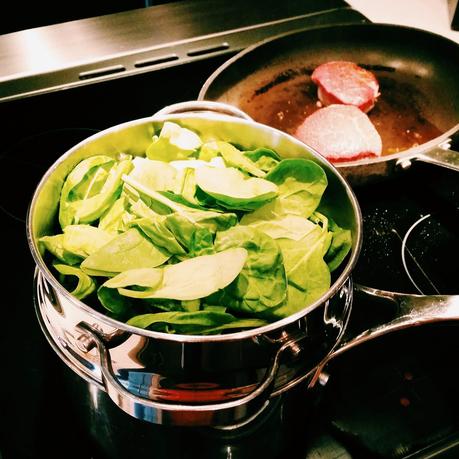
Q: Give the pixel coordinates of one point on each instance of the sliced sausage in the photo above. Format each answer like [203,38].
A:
[342,82]
[340,133]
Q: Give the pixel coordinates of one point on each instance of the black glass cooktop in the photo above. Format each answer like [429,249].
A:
[396,397]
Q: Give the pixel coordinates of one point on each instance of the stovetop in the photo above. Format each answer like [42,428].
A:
[396,397]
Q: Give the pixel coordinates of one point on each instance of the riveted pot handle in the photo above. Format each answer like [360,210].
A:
[410,310]
[181,414]
[197,106]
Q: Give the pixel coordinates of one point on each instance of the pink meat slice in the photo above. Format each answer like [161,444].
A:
[342,82]
[340,133]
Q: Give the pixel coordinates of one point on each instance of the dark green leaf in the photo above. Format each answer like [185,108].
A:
[262,283]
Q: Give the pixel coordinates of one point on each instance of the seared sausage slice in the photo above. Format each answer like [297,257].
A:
[342,82]
[340,133]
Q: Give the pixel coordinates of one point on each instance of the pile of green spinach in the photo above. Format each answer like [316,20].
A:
[196,237]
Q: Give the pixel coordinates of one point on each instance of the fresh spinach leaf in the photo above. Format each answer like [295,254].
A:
[120,306]
[181,318]
[233,190]
[196,322]
[262,283]
[88,203]
[141,277]
[236,158]
[129,250]
[174,142]
[340,246]
[285,226]
[264,158]
[85,284]
[301,184]
[116,218]
[190,279]
[84,240]
[55,246]
[152,174]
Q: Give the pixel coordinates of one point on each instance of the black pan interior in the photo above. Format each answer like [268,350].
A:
[417,71]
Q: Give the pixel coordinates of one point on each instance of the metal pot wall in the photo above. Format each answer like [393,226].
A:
[275,431]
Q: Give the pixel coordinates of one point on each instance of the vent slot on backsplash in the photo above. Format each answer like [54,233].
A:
[101,72]
[156,60]
[208,50]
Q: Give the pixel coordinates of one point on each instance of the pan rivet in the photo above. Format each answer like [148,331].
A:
[294,348]
[405,164]
[85,343]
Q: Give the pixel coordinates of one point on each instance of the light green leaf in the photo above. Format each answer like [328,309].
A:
[191,305]
[233,190]
[297,256]
[235,325]
[88,208]
[142,277]
[174,142]
[259,153]
[84,240]
[191,163]
[210,218]
[301,185]
[55,245]
[195,277]
[157,231]
[185,185]
[194,322]
[286,226]
[116,218]
[235,158]
[85,284]
[307,273]
[156,175]
[128,250]
[85,180]
[264,158]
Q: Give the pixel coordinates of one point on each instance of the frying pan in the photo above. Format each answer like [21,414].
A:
[417,113]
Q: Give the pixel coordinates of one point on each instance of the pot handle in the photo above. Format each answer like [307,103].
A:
[197,106]
[440,155]
[410,310]
[216,414]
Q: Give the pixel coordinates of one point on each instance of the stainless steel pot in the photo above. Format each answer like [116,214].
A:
[203,380]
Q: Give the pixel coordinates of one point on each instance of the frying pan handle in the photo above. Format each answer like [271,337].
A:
[196,106]
[216,414]
[410,310]
[441,155]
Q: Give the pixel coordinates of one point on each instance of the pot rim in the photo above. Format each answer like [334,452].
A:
[241,335]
